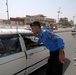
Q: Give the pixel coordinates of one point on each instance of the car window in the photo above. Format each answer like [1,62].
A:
[30,40]
[9,46]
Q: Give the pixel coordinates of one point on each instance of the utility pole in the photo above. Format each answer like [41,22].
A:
[73,19]
[7,10]
[7,13]
[59,12]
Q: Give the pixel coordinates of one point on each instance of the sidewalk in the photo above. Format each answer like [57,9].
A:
[62,30]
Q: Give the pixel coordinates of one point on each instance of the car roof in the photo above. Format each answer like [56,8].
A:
[14,31]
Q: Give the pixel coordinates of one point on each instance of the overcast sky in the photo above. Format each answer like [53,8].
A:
[49,8]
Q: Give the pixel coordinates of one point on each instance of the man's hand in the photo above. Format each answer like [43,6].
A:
[61,57]
[33,44]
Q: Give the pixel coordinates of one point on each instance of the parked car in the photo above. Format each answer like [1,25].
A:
[73,29]
[17,57]
[27,27]
[63,26]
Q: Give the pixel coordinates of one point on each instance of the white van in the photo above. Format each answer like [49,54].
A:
[17,57]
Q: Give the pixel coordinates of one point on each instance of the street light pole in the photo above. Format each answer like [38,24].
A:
[73,18]
[59,13]
[7,10]
[7,13]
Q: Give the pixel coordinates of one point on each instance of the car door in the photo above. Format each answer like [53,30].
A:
[36,55]
[12,56]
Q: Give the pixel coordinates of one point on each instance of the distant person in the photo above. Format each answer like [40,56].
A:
[55,45]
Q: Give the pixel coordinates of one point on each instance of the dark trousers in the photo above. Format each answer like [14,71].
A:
[54,66]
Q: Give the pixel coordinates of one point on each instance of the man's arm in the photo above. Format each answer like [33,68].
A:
[61,50]
[61,55]
[34,44]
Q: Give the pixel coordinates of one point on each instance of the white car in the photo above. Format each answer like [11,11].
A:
[17,57]
[73,29]
[27,27]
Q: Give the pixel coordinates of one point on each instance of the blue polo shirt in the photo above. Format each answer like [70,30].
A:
[52,43]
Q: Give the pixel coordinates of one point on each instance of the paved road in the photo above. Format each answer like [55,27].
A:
[70,48]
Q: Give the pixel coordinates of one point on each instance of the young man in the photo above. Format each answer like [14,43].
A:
[55,45]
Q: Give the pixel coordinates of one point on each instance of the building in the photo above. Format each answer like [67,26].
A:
[17,21]
[50,23]
[39,17]
[45,22]
[1,21]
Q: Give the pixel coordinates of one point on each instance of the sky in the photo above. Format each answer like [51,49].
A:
[49,8]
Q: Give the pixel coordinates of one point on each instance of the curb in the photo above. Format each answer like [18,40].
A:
[61,31]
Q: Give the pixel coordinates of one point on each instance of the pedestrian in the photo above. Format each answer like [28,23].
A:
[55,45]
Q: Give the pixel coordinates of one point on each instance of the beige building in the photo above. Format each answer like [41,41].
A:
[46,22]
[51,23]
[29,19]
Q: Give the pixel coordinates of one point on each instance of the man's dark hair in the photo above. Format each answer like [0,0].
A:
[35,23]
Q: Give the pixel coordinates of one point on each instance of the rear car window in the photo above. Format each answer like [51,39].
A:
[9,46]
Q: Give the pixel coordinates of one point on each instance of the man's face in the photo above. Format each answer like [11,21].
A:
[35,29]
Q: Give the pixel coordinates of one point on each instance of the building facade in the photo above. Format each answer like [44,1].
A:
[45,22]
[17,21]
[29,19]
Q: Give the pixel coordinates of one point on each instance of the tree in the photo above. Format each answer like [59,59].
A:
[71,22]
[64,21]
